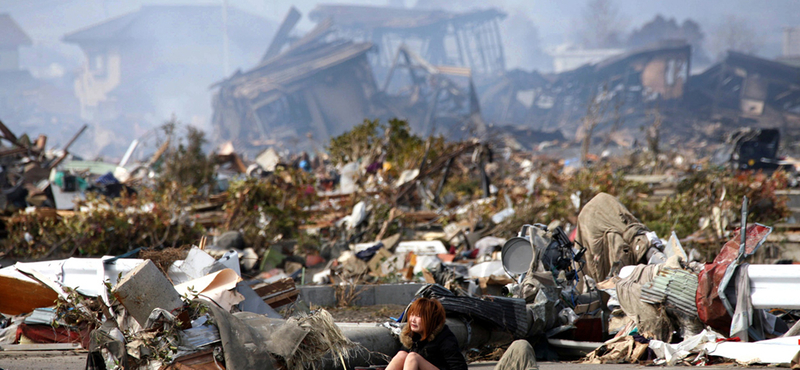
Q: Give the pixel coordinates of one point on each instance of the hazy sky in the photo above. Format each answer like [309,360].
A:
[47,20]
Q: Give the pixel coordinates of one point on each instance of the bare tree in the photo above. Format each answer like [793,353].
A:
[595,112]
[601,25]
[734,33]
[653,136]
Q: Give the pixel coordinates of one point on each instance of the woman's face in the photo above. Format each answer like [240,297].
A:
[416,323]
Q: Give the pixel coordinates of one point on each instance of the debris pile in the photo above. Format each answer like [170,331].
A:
[128,313]
[515,246]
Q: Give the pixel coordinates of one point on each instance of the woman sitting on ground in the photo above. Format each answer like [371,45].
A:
[431,345]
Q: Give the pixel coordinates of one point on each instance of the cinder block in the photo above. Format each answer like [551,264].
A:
[145,288]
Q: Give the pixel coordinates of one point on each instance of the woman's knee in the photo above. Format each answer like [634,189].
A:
[401,355]
[412,357]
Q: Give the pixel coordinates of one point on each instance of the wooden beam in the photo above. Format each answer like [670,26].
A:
[8,135]
[282,36]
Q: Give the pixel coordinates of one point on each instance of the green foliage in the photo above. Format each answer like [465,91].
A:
[185,165]
[468,188]
[372,138]
[353,144]
[405,149]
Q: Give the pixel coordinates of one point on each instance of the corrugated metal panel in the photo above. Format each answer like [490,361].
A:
[674,288]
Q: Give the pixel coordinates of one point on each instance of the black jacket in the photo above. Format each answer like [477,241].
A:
[440,349]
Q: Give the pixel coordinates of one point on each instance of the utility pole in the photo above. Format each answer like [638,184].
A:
[225,59]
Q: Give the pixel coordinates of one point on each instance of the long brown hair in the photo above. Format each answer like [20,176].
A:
[430,311]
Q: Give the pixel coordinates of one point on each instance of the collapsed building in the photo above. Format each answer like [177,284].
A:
[321,85]
[324,88]
[620,85]
[621,94]
[470,39]
[445,73]
[745,90]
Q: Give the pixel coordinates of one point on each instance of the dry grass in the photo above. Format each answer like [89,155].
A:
[164,258]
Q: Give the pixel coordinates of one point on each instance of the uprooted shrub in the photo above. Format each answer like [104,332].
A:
[556,203]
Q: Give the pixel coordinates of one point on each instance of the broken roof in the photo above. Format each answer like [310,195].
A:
[650,51]
[11,34]
[764,67]
[371,17]
[190,21]
[618,62]
[294,66]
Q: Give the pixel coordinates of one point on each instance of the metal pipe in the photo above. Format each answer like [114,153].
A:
[743,231]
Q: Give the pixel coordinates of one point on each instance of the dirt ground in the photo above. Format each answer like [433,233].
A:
[377,313]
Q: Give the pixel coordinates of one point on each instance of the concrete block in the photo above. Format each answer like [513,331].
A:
[401,294]
[320,295]
[145,288]
[368,295]
[365,295]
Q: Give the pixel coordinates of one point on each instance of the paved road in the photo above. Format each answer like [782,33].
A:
[70,360]
[571,366]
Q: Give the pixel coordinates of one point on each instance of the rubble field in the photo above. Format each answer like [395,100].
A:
[190,258]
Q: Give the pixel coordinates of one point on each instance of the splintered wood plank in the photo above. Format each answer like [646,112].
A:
[264,289]
[282,299]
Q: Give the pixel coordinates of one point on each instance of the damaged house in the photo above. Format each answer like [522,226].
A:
[146,65]
[12,37]
[25,100]
[306,90]
[616,91]
[323,88]
[12,78]
[470,39]
[746,90]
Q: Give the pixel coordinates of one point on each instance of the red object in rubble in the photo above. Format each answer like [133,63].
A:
[710,308]
[49,334]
